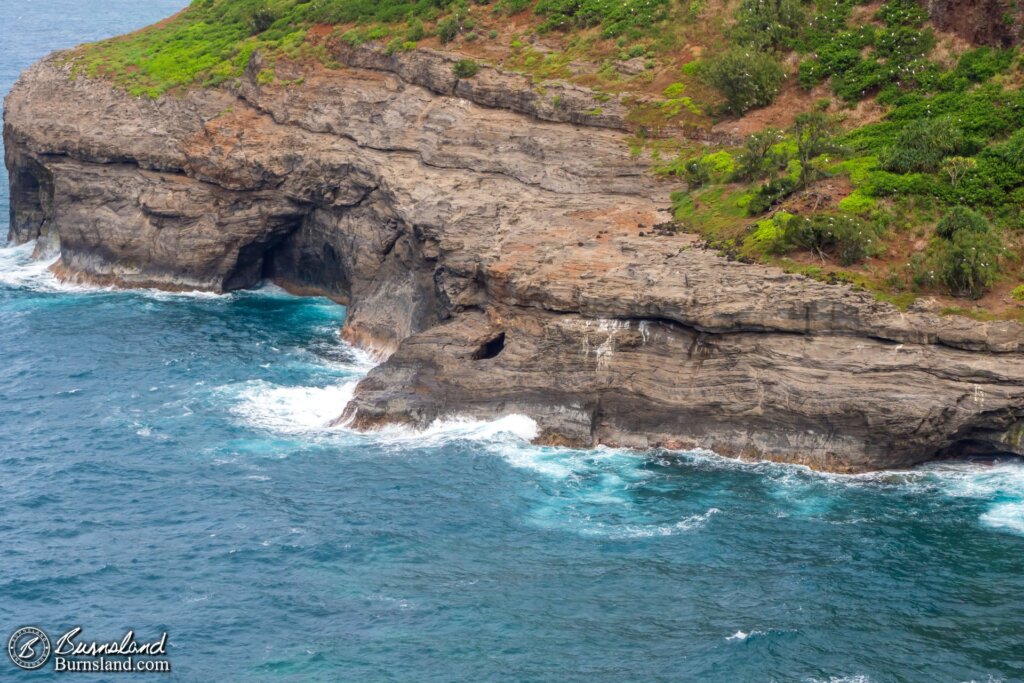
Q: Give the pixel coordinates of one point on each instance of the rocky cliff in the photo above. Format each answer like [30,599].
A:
[990,22]
[498,252]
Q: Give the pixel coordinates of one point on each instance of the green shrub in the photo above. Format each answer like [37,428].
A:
[696,173]
[1011,151]
[447,29]
[676,101]
[977,66]
[765,24]
[771,193]
[756,158]
[962,219]
[857,203]
[965,254]
[923,144]
[416,31]
[957,168]
[901,45]
[699,171]
[260,18]
[768,236]
[720,164]
[747,79]
[813,133]
[614,17]
[465,68]
[968,263]
[848,239]
[1018,293]
[902,13]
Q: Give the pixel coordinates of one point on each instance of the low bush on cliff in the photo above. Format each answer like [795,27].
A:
[746,78]
[615,17]
[923,144]
[211,41]
[846,239]
[465,68]
[966,265]
[769,24]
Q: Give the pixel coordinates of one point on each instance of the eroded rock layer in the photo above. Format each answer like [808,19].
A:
[491,249]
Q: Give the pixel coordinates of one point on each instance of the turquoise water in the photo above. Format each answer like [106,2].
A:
[165,467]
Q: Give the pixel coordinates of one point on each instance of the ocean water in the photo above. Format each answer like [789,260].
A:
[165,466]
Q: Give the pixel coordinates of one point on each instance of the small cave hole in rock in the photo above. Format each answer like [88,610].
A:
[490,348]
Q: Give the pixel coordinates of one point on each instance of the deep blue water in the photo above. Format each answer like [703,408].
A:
[164,466]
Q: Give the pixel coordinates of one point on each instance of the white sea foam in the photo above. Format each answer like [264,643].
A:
[312,410]
[560,463]
[743,635]
[499,430]
[1001,485]
[18,269]
[291,410]
[1006,516]
[971,480]
[624,531]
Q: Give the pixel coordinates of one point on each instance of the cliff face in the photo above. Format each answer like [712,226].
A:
[500,256]
[986,22]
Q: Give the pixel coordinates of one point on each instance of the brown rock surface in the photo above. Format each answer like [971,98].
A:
[495,259]
[987,22]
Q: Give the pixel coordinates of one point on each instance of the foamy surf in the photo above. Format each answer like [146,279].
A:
[508,427]
[1005,516]
[292,410]
[565,463]
[1001,485]
[744,635]
[627,531]
[18,270]
[304,410]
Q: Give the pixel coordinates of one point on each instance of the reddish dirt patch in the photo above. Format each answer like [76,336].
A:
[319,31]
[823,195]
[781,113]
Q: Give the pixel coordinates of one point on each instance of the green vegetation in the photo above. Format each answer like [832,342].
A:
[746,78]
[615,17]
[861,174]
[768,24]
[923,144]
[862,60]
[965,253]
[211,41]
[848,239]
[466,68]
[888,199]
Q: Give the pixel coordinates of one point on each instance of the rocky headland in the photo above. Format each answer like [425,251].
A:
[500,255]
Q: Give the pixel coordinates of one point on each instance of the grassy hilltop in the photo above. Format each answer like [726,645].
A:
[848,141]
